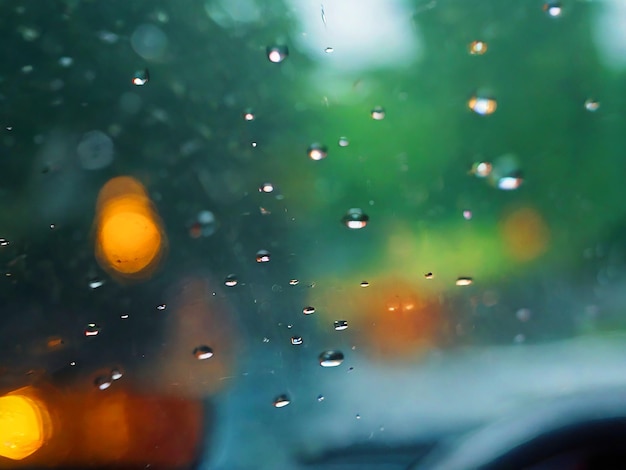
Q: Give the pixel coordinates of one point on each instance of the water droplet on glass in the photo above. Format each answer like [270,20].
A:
[297,340]
[482,105]
[103,382]
[262,256]
[281,401]
[553,8]
[4,242]
[308,310]
[95,150]
[329,50]
[467,215]
[66,61]
[317,152]
[124,316]
[294,282]
[203,352]
[331,358]
[355,219]
[116,374]
[149,41]
[108,37]
[248,115]
[510,183]
[477,47]
[365,284]
[161,307]
[464,281]
[266,339]
[592,105]
[277,54]
[341,325]
[92,329]
[141,77]
[481,169]
[95,283]
[320,398]
[523,314]
[519,339]
[358,416]
[231,280]
[378,113]
[343,142]
[266,188]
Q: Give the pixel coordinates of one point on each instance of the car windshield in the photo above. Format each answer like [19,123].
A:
[297,234]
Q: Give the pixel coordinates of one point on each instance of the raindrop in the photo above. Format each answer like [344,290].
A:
[467,215]
[124,316]
[116,374]
[266,188]
[378,113]
[95,283]
[149,41]
[92,329]
[281,401]
[141,77]
[161,307]
[481,169]
[358,416]
[4,242]
[317,152]
[294,282]
[365,284]
[553,8]
[66,61]
[266,339]
[308,310]
[103,382]
[231,280]
[203,352]
[464,281]
[509,183]
[477,47]
[320,398]
[262,256]
[297,340]
[277,54]
[343,142]
[355,219]
[329,50]
[592,105]
[482,105]
[331,358]
[341,325]
[95,150]
[523,314]
[248,115]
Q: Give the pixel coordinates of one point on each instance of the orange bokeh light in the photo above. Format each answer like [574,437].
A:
[130,239]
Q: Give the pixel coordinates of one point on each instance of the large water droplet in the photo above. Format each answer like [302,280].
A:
[103,382]
[248,115]
[281,401]
[308,310]
[331,358]
[355,219]
[277,54]
[341,325]
[592,105]
[297,340]
[464,281]
[262,256]
[95,150]
[203,352]
[141,77]
[477,47]
[92,329]
[116,374]
[553,8]
[378,113]
[317,152]
[231,280]
[482,105]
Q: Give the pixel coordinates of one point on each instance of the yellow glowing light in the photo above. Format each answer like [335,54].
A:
[23,422]
[129,236]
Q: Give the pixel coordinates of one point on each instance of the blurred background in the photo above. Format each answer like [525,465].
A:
[245,234]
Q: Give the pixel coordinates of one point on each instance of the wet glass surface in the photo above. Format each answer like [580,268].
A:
[290,234]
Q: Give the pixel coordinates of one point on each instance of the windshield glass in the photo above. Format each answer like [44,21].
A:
[245,234]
